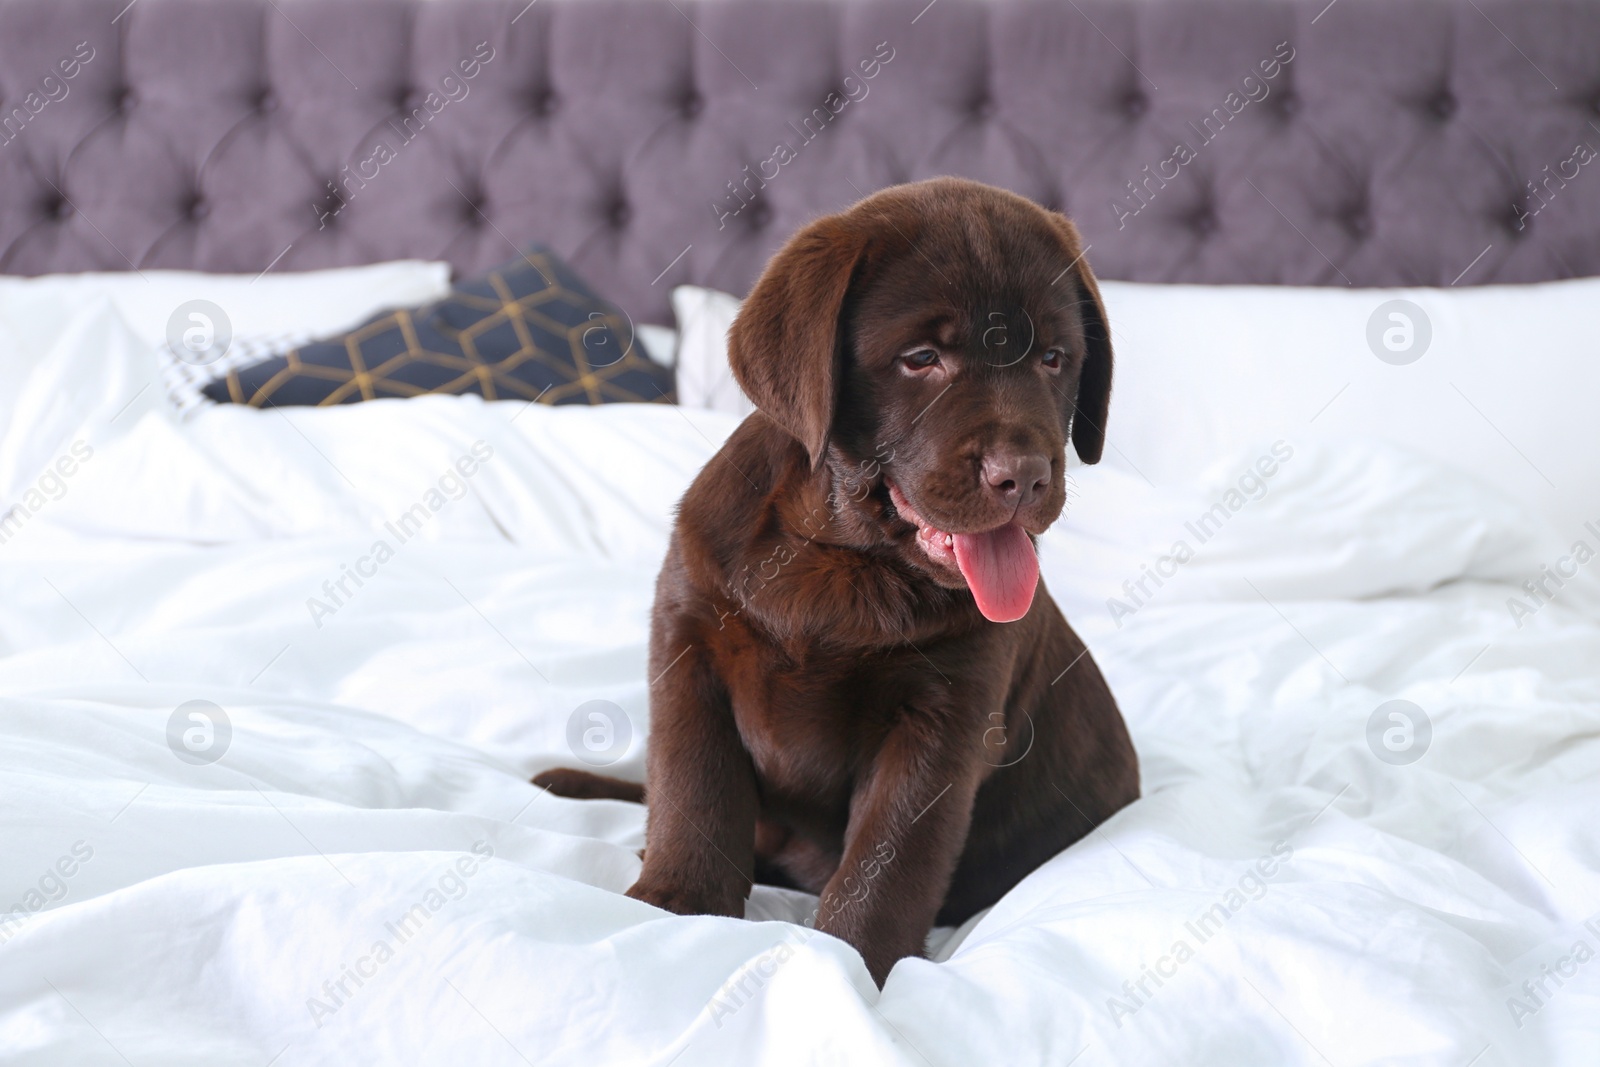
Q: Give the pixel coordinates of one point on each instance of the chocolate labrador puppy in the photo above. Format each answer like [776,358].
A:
[860,688]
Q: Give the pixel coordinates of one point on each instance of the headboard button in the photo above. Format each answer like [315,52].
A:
[126,100]
[266,101]
[329,203]
[1518,218]
[1443,105]
[692,105]
[1135,104]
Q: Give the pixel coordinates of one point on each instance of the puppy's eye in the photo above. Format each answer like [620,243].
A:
[1053,358]
[921,359]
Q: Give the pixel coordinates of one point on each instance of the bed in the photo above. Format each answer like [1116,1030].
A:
[264,789]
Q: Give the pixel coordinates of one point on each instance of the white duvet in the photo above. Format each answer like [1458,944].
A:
[361,873]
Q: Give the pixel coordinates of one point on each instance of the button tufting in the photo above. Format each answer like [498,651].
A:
[1519,218]
[1203,222]
[266,101]
[329,203]
[197,208]
[1135,104]
[125,100]
[61,208]
[982,108]
[619,214]
[1358,223]
[545,102]
[1443,105]
[692,105]
[760,216]
[1288,104]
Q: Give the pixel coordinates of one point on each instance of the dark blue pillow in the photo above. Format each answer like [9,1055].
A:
[528,330]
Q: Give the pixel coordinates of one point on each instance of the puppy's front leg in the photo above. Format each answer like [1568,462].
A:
[699,853]
[908,826]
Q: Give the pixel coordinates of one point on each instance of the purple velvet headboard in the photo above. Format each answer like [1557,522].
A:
[1400,142]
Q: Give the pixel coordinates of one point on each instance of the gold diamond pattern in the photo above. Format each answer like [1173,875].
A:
[558,327]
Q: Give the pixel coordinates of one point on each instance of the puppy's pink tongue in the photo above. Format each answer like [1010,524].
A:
[1001,569]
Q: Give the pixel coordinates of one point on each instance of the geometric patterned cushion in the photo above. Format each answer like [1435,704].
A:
[530,330]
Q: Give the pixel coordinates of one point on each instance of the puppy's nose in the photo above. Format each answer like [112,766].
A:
[1017,478]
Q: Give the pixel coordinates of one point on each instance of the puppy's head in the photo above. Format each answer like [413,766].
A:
[936,346]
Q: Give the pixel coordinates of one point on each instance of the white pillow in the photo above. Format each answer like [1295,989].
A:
[704,378]
[660,343]
[35,311]
[95,382]
[1501,381]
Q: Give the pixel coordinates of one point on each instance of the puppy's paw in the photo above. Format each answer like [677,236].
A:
[683,899]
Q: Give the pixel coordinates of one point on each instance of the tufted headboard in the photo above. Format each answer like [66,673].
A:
[658,142]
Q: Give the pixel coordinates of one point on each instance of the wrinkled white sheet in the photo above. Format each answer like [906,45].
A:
[254,910]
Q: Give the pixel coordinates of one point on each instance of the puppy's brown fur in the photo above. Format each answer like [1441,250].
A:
[829,709]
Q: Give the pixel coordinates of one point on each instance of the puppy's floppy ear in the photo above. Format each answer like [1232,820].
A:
[1093,402]
[786,346]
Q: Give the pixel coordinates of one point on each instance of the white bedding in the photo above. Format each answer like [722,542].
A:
[175,912]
